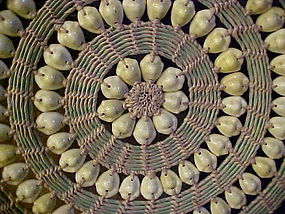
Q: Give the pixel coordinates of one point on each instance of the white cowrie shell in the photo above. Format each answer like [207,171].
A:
[123,126]
[264,167]
[203,22]
[134,9]
[15,173]
[3,114]
[278,64]
[6,47]
[71,35]
[4,70]
[271,20]
[58,57]
[44,204]
[276,41]
[201,210]
[129,71]
[182,12]
[219,206]
[151,67]
[47,100]
[218,40]
[4,132]
[2,93]
[258,6]
[229,126]
[171,80]
[112,12]
[110,110]
[229,61]
[279,85]
[165,122]
[50,122]
[90,19]
[25,9]
[7,154]
[175,102]
[235,197]
[250,184]
[108,183]
[219,144]
[71,160]
[130,188]
[279,106]
[64,209]
[28,190]
[278,127]
[205,161]
[273,148]
[87,174]
[188,173]
[235,83]
[151,187]
[48,78]
[59,142]
[157,9]
[144,131]
[114,87]
[234,106]
[170,182]
[10,24]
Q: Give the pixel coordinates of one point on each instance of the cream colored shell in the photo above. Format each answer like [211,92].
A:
[90,19]
[58,57]
[219,206]
[144,131]
[25,9]
[134,9]
[188,173]
[182,12]
[123,126]
[165,122]
[279,106]
[15,173]
[273,148]
[87,174]
[278,64]
[229,61]
[258,6]
[2,93]
[201,210]
[250,184]
[112,12]
[110,110]
[217,41]
[235,83]
[6,47]
[64,209]
[271,20]
[229,126]
[108,183]
[114,87]
[10,24]
[276,41]
[59,142]
[44,204]
[50,122]
[235,197]
[175,102]
[4,70]
[3,113]
[48,78]
[151,67]
[129,71]
[130,188]
[47,100]
[170,182]
[205,161]
[264,167]
[7,154]
[203,22]
[157,9]
[278,127]
[4,132]
[71,35]
[279,85]
[28,190]
[71,160]
[172,79]
[151,187]
[219,144]
[234,106]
